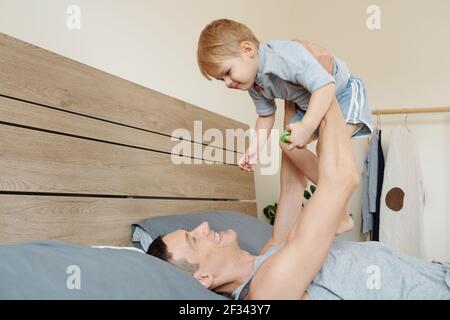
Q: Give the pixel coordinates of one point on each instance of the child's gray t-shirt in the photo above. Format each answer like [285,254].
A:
[287,70]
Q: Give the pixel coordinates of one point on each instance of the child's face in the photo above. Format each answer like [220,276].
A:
[240,72]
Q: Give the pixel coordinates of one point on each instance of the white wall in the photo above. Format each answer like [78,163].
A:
[153,43]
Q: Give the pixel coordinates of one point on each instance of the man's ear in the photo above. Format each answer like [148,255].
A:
[205,279]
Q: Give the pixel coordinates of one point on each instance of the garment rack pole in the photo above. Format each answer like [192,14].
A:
[410,110]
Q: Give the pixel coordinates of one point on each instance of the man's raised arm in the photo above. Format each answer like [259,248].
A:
[287,273]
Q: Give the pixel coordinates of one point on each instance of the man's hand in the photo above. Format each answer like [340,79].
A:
[301,135]
[248,161]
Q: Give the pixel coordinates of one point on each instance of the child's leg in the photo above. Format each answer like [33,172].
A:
[350,128]
[304,156]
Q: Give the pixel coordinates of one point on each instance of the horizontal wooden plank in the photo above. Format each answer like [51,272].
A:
[35,74]
[31,115]
[91,221]
[33,161]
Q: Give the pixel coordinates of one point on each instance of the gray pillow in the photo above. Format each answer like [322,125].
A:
[58,270]
[252,233]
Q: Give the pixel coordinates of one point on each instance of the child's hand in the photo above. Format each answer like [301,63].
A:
[248,161]
[300,135]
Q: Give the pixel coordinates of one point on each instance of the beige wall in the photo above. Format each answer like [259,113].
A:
[153,43]
[404,64]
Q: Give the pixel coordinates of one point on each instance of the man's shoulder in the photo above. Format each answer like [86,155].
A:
[267,274]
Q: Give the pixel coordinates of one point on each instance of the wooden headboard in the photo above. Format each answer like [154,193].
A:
[84,154]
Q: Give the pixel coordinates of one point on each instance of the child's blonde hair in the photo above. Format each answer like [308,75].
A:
[220,40]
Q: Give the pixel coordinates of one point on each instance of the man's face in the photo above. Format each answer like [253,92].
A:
[240,72]
[201,246]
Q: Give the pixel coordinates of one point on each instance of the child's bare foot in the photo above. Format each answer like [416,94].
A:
[345,225]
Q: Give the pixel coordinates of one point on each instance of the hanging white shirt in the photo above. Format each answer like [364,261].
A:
[403,198]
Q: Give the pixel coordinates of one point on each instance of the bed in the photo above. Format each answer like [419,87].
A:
[84,155]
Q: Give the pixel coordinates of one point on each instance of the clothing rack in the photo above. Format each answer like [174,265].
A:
[410,110]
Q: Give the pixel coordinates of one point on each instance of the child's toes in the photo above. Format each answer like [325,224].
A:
[345,225]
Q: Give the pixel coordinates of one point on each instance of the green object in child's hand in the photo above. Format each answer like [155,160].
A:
[284,135]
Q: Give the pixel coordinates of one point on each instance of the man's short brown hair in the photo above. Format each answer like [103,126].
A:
[220,40]
[159,250]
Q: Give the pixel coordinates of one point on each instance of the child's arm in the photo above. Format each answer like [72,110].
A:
[263,128]
[319,104]
[304,63]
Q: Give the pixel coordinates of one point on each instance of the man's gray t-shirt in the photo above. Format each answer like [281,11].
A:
[287,70]
[369,271]
[372,271]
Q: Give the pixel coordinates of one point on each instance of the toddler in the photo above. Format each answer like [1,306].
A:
[308,77]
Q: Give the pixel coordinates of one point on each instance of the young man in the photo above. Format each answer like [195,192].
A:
[302,266]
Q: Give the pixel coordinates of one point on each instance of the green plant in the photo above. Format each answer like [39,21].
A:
[270,211]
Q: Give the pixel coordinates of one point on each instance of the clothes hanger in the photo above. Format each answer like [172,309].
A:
[406,123]
[378,121]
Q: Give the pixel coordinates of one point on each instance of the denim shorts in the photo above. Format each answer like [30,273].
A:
[354,105]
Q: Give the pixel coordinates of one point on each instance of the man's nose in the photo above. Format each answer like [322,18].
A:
[205,226]
[202,228]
